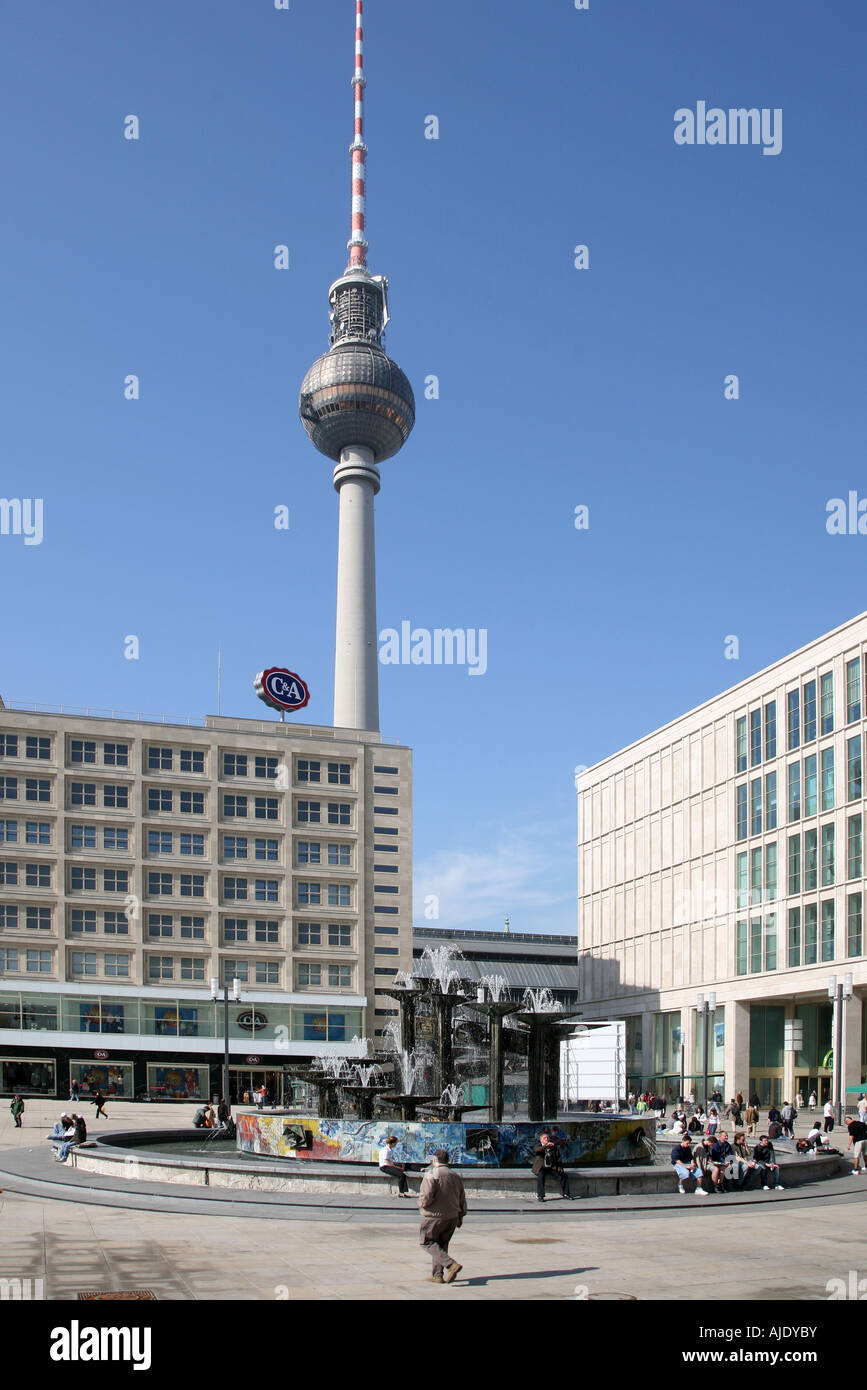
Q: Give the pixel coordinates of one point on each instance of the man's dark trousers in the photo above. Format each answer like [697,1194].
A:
[554,1173]
[434,1235]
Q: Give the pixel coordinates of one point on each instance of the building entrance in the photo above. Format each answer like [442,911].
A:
[245,1080]
[807,1085]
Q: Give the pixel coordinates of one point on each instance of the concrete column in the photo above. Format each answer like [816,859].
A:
[852,1023]
[688,1028]
[737,1048]
[789,1087]
[356,668]
[648,1039]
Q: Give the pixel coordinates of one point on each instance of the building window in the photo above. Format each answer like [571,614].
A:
[756,806]
[84,962]
[192,885]
[770,872]
[192,969]
[811,915]
[828,929]
[827,779]
[853,847]
[234,847]
[8,745]
[158,799]
[340,855]
[192,844]
[265,807]
[115,923]
[192,928]
[340,976]
[82,880]
[309,812]
[853,690]
[37,918]
[309,852]
[234,764]
[83,919]
[309,893]
[37,747]
[853,768]
[115,797]
[159,884]
[794,864]
[809,711]
[265,767]
[755,737]
[160,759]
[741,744]
[115,754]
[268,933]
[38,962]
[8,832]
[826,692]
[811,788]
[267,972]
[82,794]
[114,964]
[742,812]
[793,720]
[794,944]
[853,925]
[191,803]
[159,842]
[8,873]
[810,864]
[755,945]
[339,936]
[771,729]
[160,925]
[161,967]
[309,976]
[771,801]
[192,759]
[267,850]
[236,970]
[794,791]
[743,888]
[828,856]
[340,813]
[339,895]
[308,934]
[338,774]
[308,771]
[115,837]
[771,942]
[235,929]
[8,960]
[115,880]
[234,807]
[266,890]
[82,751]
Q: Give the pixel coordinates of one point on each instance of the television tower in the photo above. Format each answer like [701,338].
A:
[358,408]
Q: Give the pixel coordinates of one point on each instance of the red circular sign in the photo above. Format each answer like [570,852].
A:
[281,689]
[252,1061]
[102,1056]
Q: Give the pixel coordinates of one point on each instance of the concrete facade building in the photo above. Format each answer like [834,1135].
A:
[140,860]
[723,854]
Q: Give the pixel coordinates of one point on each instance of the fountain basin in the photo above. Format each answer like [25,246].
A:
[598,1139]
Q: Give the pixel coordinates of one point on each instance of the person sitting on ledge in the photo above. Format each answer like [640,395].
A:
[686,1167]
[720,1156]
[391,1168]
[77,1135]
[765,1158]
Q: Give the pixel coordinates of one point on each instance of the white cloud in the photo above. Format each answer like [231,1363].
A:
[532,882]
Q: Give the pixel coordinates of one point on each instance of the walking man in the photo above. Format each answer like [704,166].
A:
[17,1108]
[443,1206]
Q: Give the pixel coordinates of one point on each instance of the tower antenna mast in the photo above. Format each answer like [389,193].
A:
[357,245]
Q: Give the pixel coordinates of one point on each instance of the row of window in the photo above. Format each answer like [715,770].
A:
[186,926]
[810,936]
[809,715]
[809,789]
[162,800]
[185,969]
[810,863]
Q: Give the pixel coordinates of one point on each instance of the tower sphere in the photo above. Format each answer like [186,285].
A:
[355,394]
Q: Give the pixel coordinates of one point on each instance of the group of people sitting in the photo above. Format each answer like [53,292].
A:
[70,1130]
[715,1165]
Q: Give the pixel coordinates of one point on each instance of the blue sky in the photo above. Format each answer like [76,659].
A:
[557,387]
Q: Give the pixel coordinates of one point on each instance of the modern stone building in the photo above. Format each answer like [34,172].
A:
[724,854]
[140,860]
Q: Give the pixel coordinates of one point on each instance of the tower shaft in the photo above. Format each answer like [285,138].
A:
[356,657]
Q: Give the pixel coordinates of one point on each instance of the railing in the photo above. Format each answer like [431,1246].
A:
[229,723]
[30,707]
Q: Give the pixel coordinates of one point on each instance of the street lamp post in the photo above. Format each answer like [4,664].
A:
[838,991]
[705,1007]
[234,997]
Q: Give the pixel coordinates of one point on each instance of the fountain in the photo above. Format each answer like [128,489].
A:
[412,1091]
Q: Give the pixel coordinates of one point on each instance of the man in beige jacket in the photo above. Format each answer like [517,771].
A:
[443,1206]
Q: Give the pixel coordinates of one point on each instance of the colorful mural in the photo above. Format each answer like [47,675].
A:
[595,1140]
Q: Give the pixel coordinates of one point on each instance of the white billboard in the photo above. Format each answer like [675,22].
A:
[593,1065]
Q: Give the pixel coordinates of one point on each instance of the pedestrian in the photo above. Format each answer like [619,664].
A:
[788,1116]
[862,1109]
[765,1158]
[857,1141]
[740,1100]
[223,1111]
[443,1206]
[17,1108]
[260,1098]
[686,1167]
[99,1102]
[391,1168]
[73,1093]
[548,1159]
[751,1118]
[828,1112]
[713,1121]
[799,1101]
[812,1102]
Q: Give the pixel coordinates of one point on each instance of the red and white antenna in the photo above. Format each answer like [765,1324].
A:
[357,244]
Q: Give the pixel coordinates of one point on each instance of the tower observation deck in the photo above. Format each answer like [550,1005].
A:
[358,408]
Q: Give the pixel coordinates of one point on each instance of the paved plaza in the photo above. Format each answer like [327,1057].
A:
[770,1247]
